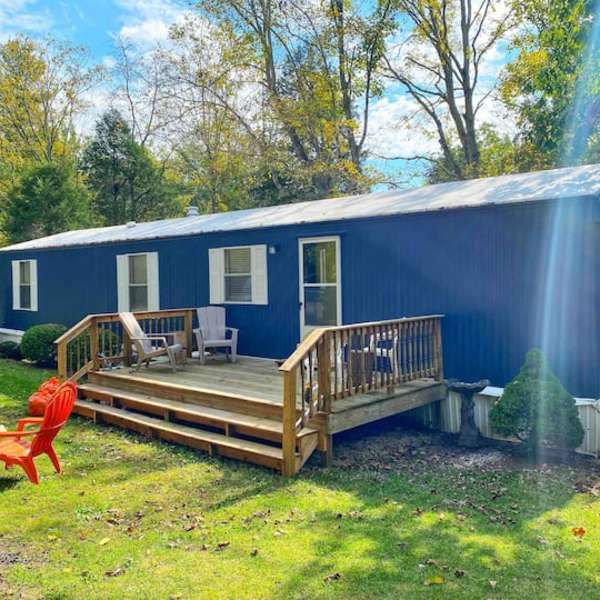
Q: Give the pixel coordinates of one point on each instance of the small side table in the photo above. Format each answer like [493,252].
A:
[179,338]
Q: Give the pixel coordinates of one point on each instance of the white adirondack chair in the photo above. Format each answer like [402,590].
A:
[212,333]
[145,348]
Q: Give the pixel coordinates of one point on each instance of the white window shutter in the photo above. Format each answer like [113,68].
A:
[216,270]
[123,283]
[153,281]
[34,284]
[16,281]
[260,294]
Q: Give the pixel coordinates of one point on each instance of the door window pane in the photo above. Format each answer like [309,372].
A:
[138,297]
[320,306]
[138,272]
[320,265]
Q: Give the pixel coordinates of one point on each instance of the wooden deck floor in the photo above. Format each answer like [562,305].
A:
[256,377]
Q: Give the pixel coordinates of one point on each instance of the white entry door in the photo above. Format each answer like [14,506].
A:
[320,283]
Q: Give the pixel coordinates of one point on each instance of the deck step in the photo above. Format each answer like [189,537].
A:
[205,415]
[213,443]
[249,405]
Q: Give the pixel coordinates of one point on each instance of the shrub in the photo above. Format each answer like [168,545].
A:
[10,350]
[38,343]
[536,408]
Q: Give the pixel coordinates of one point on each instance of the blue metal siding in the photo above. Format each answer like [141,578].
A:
[481,267]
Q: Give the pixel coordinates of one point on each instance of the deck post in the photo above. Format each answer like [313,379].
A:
[325,373]
[187,324]
[289,423]
[61,360]
[94,343]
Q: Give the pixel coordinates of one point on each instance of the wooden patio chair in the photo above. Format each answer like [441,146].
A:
[15,447]
[213,333]
[143,343]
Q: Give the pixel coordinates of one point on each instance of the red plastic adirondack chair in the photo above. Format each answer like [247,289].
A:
[15,449]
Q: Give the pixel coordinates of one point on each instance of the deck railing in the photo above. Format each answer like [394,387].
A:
[333,363]
[99,339]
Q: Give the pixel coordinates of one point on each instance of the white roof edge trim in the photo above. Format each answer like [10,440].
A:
[571,182]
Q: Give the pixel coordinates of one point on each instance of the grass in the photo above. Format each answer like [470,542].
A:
[400,515]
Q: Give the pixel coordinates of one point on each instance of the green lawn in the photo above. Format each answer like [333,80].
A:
[400,515]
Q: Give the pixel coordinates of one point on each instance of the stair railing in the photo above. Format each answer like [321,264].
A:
[99,340]
[333,363]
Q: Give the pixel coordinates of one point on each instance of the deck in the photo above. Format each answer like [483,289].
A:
[259,410]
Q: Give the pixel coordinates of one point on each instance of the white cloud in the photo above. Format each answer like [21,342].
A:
[23,16]
[146,23]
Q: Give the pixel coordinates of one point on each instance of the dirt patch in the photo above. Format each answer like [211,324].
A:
[10,556]
[398,449]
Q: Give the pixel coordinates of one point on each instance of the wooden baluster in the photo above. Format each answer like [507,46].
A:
[439,364]
[336,364]
[363,367]
[310,381]
[94,345]
[422,346]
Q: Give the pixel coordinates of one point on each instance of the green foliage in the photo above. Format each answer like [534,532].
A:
[539,86]
[128,182]
[133,518]
[536,408]
[10,350]
[49,198]
[38,343]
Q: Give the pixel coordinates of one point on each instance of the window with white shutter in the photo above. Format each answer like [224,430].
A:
[238,275]
[24,280]
[137,282]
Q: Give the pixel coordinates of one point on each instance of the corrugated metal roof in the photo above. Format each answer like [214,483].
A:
[541,185]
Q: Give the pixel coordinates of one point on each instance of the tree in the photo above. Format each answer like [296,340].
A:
[539,86]
[49,198]
[129,184]
[304,77]
[438,62]
[42,90]
[537,409]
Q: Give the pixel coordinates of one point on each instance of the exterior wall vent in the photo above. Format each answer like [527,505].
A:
[192,211]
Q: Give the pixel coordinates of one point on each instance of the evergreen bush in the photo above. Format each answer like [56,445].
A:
[536,408]
[10,350]
[38,343]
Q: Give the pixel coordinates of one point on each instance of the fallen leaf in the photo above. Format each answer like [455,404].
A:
[578,532]
[493,584]
[332,577]
[115,572]
[459,573]
[435,580]
[222,546]
[254,552]
[103,541]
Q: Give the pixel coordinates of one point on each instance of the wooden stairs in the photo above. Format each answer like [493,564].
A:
[235,426]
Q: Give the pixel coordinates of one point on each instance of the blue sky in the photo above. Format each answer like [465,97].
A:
[95,24]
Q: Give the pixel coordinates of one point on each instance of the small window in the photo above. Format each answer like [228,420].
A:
[25,285]
[138,282]
[238,275]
